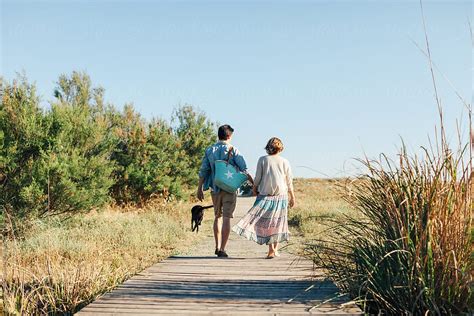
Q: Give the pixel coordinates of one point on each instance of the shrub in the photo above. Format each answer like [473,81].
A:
[155,158]
[148,159]
[23,125]
[195,132]
[78,156]
[53,161]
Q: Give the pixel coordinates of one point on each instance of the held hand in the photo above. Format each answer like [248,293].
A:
[200,194]
[254,191]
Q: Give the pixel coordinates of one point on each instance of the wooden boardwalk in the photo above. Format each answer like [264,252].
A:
[244,284]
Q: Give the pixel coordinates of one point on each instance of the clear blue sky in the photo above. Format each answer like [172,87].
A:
[333,79]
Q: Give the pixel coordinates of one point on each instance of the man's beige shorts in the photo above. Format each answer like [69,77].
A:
[224,203]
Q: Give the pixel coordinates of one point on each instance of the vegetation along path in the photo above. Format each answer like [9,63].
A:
[244,284]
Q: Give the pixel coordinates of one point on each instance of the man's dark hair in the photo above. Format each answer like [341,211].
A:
[224,132]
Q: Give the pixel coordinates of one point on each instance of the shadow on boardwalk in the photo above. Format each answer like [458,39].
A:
[296,291]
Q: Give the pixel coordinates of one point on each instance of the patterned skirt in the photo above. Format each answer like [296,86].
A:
[267,221]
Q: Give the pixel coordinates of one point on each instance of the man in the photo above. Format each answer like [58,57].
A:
[224,202]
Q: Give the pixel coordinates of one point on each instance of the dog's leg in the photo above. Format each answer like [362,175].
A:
[199,221]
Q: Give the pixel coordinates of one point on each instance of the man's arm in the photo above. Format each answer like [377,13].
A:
[200,192]
[239,160]
[203,173]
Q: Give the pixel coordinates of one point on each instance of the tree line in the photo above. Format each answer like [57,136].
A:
[79,152]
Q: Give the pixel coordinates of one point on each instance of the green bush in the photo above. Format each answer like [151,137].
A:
[195,132]
[55,161]
[79,153]
[147,158]
[24,127]
[156,159]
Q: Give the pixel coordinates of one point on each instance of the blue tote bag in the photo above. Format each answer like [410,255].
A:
[227,177]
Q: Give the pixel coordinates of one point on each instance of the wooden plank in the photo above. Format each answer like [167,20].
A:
[244,284]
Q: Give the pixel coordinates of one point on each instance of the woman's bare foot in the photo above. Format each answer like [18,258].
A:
[274,248]
[271,254]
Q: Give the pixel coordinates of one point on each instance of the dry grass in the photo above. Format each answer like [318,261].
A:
[318,202]
[59,266]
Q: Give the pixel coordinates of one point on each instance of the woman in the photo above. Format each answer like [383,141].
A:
[267,221]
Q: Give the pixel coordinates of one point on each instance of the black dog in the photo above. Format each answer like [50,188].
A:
[197,214]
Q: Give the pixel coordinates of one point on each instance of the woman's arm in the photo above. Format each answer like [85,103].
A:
[292,200]
[289,183]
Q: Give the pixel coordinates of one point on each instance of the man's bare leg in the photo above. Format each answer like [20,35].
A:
[217,232]
[217,223]
[225,232]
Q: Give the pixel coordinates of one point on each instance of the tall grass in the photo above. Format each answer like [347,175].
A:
[409,250]
[61,265]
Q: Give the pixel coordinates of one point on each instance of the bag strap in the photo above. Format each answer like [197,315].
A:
[229,154]
[231,149]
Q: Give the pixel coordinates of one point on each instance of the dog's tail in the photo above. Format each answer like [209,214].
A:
[205,207]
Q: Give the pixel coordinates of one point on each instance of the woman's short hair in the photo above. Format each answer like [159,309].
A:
[274,146]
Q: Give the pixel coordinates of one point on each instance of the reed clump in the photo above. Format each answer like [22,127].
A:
[409,248]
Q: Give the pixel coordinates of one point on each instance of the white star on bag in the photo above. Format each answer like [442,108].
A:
[229,174]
